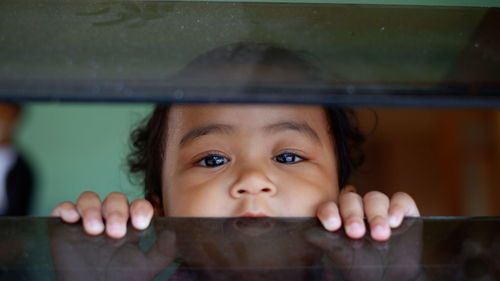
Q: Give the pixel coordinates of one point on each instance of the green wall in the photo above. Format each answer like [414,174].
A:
[78,147]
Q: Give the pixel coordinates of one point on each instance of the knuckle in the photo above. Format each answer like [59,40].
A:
[349,210]
[352,196]
[374,195]
[88,212]
[352,217]
[377,218]
[351,205]
[88,194]
[326,210]
[64,206]
[402,196]
[141,206]
[397,207]
[117,196]
[117,216]
[405,203]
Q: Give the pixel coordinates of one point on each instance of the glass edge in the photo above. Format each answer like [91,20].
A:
[425,218]
[430,3]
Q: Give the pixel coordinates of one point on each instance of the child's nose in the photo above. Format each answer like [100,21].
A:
[252,182]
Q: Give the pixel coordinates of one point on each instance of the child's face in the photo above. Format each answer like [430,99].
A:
[247,160]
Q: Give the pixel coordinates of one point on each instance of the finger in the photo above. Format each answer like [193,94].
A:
[89,207]
[162,253]
[115,211]
[406,251]
[376,208]
[352,258]
[66,211]
[348,188]
[335,245]
[351,211]
[401,205]
[140,265]
[328,214]
[141,212]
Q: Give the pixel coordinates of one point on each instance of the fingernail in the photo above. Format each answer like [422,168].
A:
[355,229]
[140,222]
[96,226]
[73,214]
[380,233]
[331,223]
[393,221]
[378,230]
[117,229]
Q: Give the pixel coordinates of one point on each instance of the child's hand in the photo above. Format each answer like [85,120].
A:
[381,212]
[78,257]
[115,209]
[367,260]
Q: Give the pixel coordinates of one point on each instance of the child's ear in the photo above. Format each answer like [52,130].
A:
[157,206]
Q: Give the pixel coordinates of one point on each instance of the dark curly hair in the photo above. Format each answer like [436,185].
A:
[148,139]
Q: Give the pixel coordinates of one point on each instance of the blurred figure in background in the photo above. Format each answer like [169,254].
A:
[16,178]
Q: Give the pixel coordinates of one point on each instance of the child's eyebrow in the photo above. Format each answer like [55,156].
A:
[300,127]
[205,130]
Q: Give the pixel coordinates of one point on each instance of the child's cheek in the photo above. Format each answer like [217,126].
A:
[300,190]
[304,203]
[197,196]
[302,193]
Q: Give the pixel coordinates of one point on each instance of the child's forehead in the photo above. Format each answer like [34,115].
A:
[185,121]
[238,114]
[196,127]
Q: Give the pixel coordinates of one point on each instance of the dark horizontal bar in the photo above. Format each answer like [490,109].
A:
[439,248]
[401,95]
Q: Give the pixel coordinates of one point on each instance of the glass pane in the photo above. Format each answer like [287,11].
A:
[250,249]
[134,50]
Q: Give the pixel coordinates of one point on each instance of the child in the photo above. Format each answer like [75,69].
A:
[230,160]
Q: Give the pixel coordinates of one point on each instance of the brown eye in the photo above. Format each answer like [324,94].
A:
[211,161]
[288,158]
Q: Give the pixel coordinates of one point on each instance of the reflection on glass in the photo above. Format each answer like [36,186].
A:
[251,249]
[123,51]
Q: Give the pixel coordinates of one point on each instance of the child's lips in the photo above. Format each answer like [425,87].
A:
[254,224]
[254,215]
